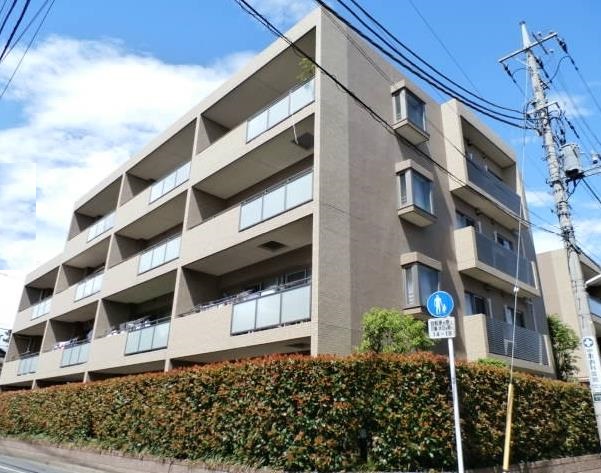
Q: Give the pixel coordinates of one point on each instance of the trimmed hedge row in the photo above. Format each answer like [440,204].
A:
[323,413]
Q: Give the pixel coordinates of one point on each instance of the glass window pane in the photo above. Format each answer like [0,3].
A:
[409,286]
[428,282]
[422,190]
[145,261]
[415,110]
[169,183]
[158,256]
[146,335]
[250,213]
[302,96]
[403,188]
[156,191]
[256,125]
[278,112]
[467,297]
[97,284]
[182,174]
[398,112]
[243,317]
[268,311]
[133,340]
[299,191]
[296,304]
[172,249]
[273,202]
[161,335]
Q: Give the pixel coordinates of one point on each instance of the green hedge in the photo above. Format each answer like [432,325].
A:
[301,413]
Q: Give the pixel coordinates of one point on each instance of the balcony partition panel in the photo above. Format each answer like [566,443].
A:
[529,345]
[294,100]
[75,354]
[169,182]
[89,286]
[148,336]
[159,254]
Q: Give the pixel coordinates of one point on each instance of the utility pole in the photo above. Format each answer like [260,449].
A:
[557,181]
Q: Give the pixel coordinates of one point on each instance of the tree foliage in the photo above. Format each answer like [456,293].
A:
[564,342]
[390,331]
[488,361]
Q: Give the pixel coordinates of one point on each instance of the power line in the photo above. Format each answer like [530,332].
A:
[15,28]
[414,68]
[594,194]
[8,13]
[378,118]
[24,31]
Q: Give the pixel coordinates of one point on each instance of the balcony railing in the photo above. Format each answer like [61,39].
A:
[147,336]
[278,199]
[295,99]
[272,308]
[28,364]
[101,226]
[595,305]
[41,308]
[493,254]
[493,186]
[169,182]
[75,354]
[159,254]
[529,345]
[89,286]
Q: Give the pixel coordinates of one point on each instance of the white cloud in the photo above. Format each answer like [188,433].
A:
[573,105]
[283,12]
[538,198]
[87,107]
[11,285]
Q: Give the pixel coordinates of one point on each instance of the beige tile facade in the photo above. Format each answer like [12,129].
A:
[284,228]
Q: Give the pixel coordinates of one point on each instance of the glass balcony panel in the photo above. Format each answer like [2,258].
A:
[182,174]
[299,191]
[503,259]
[243,317]
[88,287]
[268,311]
[296,304]
[273,202]
[256,125]
[156,191]
[250,213]
[302,96]
[145,262]
[84,351]
[158,256]
[172,249]
[133,340]
[278,112]
[79,291]
[493,186]
[145,342]
[97,284]
[169,183]
[161,335]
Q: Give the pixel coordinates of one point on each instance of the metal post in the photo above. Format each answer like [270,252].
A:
[455,406]
[556,179]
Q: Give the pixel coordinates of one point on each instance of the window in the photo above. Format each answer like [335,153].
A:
[504,242]
[408,106]
[519,317]
[416,189]
[463,221]
[475,304]
[420,282]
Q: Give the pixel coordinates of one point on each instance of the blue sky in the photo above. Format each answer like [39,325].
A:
[105,76]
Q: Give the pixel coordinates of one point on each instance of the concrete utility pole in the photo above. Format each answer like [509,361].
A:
[558,184]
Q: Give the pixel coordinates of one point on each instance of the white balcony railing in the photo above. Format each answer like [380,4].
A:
[169,182]
[89,286]
[75,354]
[272,308]
[284,196]
[159,254]
[28,364]
[295,99]
[529,345]
[148,336]
[101,226]
[41,308]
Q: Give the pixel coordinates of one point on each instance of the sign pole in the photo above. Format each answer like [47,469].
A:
[455,406]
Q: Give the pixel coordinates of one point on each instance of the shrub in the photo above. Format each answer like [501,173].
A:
[301,413]
[492,362]
[564,342]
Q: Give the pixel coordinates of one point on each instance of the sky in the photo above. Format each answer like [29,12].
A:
[103,77]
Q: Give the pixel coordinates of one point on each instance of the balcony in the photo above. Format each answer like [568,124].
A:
[101,226]
[88,286]
[75,354]
[272,308]
[41,308]
[500,191]
[485,260]
[159,254]
[148,336]
[28,364]
[285,106]
[169,182]
[295,191]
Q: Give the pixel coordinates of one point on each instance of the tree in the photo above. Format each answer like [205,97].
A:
[390,331]
[564,342]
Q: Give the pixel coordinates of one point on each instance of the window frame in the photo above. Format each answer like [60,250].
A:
[405,180]
[519,314]
[499,235]
[472,296]
[400,108]
[411,275]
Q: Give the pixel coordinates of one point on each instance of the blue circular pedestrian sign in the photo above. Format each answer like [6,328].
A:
[440,304]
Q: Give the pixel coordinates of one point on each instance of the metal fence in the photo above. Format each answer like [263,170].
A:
[504,260]
[493,186]
[529,345]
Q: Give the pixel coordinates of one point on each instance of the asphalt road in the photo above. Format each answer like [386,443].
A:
[10,464]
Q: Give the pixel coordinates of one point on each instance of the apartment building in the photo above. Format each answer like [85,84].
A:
[273,214]
[559,296]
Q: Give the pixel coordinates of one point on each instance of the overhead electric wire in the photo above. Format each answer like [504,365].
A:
[415,69]
[2,8]
[418,57]
[249,9]
[24,30]
[8,13]
[15,28]
[31,40]
[593,193]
